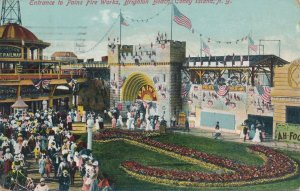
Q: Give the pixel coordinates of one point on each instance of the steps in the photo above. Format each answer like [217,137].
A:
[268,138]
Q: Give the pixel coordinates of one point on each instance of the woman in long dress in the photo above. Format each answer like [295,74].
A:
[97,124]
[256,136]
[120,122]
[48,166]
[113,123]
[42,165]
[251,132]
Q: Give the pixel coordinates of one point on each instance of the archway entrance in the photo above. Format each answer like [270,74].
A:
[138,86]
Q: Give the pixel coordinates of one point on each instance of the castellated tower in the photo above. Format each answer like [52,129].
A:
[147,73]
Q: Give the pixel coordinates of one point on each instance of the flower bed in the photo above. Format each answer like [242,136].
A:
[277,166]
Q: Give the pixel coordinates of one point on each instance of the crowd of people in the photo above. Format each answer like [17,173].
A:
[138,117]
[252,131]
[46,136]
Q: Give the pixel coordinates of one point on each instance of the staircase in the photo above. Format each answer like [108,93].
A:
[78,128]
[268,138]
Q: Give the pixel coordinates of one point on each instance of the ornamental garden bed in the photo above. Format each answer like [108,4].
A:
[135,160]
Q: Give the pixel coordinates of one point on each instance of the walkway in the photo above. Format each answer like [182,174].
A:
[236,138]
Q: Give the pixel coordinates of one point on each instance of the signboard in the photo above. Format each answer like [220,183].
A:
[10,52]
[288,133]
[80,109]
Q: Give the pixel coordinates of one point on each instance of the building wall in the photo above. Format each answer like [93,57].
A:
[286,91]
[161,63]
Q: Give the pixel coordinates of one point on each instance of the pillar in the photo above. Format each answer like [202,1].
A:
[90,125]
[50,102]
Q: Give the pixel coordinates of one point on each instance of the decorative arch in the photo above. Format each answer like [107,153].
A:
[138,86]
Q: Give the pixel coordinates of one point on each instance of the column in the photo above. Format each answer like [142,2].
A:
[90,125]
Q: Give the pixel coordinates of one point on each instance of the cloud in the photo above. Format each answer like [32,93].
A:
[106,16]
[95,18]
[298,27]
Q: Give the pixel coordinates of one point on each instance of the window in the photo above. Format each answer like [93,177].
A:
[164,77]
[293,115]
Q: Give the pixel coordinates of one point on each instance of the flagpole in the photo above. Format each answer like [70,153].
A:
[172,21]
[201,46]
[120,27]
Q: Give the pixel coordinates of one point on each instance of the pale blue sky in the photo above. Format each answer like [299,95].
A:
[267,19]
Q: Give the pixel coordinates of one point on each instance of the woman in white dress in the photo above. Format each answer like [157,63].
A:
[120,122]
[83,117]
[128,120]
[97,126]
[256,137]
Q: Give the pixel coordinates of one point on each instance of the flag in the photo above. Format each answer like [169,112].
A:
[181,19]
[45,84]
[122,21]
[251,44]
[184,92]
[264,93]
[225,57]
[222,90]
[37,83]
[205,48]
[185,88]
[242,60]
[121,81]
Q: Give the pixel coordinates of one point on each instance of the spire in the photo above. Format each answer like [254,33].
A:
[11,12]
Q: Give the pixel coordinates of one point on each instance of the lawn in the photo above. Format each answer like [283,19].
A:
[112,154]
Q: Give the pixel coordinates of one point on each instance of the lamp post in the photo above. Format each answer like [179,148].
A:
[90,125]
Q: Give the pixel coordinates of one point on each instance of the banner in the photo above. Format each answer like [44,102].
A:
[288,132]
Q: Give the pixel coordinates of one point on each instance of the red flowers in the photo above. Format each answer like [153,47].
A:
[277,166]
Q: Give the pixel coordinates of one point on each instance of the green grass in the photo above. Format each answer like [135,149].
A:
[112,154]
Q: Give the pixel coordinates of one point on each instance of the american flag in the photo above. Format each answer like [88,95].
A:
[251,44]
[264,93]
[45,84]
[181,19]
[120,81]
[122,21]
[205,48]
[37,83]
[184,91]
[222,91]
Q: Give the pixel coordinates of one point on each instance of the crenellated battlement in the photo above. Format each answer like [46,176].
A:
[161,51]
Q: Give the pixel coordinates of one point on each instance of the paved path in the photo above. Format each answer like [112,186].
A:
[53,183]
[236,138]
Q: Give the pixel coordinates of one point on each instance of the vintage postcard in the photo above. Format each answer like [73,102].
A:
[149,95]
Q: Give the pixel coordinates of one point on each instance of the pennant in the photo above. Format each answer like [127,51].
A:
[123,21]
[251,45]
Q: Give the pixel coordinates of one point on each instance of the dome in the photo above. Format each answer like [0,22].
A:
[13,31]
[64,55]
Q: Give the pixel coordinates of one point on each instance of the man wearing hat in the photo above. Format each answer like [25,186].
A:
[64,181]
[8,158]
[41,186]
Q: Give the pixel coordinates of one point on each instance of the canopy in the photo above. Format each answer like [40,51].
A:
[19,103]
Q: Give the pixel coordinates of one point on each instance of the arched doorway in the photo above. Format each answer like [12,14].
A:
[138,86]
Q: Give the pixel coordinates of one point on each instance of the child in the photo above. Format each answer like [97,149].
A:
[37,153]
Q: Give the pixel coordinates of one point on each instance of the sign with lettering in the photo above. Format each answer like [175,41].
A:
[10,52]
[287,132]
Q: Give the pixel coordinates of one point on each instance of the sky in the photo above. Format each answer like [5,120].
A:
[79,28]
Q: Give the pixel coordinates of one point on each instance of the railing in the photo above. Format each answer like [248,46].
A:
[44,74]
